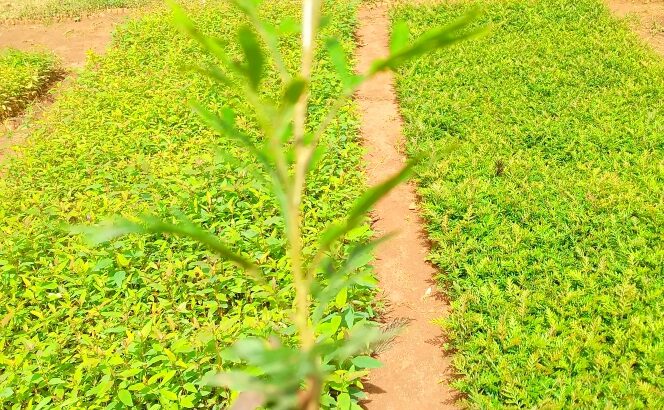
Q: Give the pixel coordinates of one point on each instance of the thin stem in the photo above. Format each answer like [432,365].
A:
[309,27]
[310,19]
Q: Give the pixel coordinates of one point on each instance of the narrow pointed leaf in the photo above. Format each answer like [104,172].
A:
[248,7]
[288,26]
[399,37]
[213,73]
[363,205]
[428,42]
[227,128]
[338,59]
[225,125]
[187,26]
[267,31]
[107,230]
[253,55]
[360,340]
[293,92]
[150,224]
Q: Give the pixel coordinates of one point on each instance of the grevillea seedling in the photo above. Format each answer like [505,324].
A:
[276,374]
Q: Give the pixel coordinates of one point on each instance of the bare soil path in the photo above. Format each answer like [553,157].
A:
[648,19]
[415,370]
[68,39]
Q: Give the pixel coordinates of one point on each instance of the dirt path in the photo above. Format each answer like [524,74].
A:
[415,368]
[70,39]
[649,19]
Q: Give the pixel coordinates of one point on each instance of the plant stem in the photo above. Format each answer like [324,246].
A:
[302,151]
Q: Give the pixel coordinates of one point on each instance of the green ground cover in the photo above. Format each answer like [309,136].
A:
[548,217]
[24,76]
[50,9]
[141,320]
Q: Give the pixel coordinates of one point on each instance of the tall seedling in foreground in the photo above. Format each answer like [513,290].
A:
[288,376]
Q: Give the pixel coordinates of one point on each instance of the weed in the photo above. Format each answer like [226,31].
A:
[275,374]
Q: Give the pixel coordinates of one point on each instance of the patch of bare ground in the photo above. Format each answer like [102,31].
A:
[647,19]
[416,370]
[69,39]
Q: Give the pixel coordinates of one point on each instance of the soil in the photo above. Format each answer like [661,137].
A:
[647,19]
[416,370]
[68,39]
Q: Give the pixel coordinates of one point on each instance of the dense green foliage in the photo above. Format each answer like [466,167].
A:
[141,320]
[548,217]
[24,76]
[53,9]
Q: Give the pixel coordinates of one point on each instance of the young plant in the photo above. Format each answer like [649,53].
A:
[277,375]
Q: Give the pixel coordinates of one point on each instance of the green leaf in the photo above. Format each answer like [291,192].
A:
[149,224]
[190,387]
[248,7]
[103,387]
[289,26]
[359,256]
[119,277]
[214,73]
[130,372]
[125,398]
[225,126]
[341,299]
[253,55]
[43,403]
[399,37]
[366,362]
[268,33]
[6,393]
[293,91]
[187,402]
[167,394]
[186,25]
[363,205]
[359,340]
[338,59]
[235,380]
[107,230]
[343,401]
[328,329]
[428,42]
[167,376]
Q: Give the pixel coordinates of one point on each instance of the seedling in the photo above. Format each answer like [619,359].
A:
[278,375]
